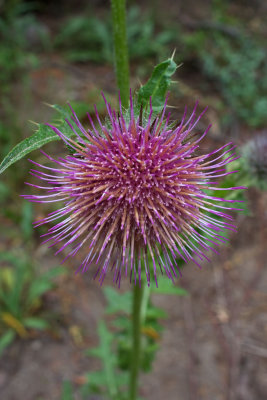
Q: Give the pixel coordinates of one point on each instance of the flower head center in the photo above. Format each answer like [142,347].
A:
[137,173]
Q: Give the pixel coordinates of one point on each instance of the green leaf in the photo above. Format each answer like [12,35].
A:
[118,302]
[157,85]
[54,273]
[155,313]
[43,135]
[26,220]
[122,322]
[148,356]
[67,391]
[6,339]
[14,296]
[61,110]
[104,352]
[37,289]
[4,191]
[35,323]
[8,257]
[166,286]
[96,379]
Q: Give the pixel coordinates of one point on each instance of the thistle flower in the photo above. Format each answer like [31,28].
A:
[135,194]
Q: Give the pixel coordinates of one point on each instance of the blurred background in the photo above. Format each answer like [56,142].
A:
[213,345]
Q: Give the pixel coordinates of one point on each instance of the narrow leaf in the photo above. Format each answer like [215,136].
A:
[67,391]
[35,323]
[6,339]
[14,323]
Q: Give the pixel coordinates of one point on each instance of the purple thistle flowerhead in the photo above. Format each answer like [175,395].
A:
[135,194]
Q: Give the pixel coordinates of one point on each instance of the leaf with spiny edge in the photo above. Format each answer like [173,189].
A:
[44,134]
[157,86]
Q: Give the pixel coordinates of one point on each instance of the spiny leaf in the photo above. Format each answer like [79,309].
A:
[43,135]
[104,352]
[157,85]
[61,110]
[118,302]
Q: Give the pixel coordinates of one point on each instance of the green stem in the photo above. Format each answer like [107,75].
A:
[136,343]
[120,49]
[118,10]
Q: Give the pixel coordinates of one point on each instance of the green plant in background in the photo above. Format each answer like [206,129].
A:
[20,34]
[144,40]
[21,38]
[21,291]
[129,341]
[115,342]
[85,39]
[235,62]
[254,161]
[88,38]
[115,345]
[238,66]
[252,164]
[67,392]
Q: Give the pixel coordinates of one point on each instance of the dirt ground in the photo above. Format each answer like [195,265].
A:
[213,346]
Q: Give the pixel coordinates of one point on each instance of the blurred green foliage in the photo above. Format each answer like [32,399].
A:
[114,348]
[22,37]
[22,285]
[89,38]
[234,61]
[19,32]
[21,292]
[253,161]
[236,66]
[67,391]
[230,59]
[251,167]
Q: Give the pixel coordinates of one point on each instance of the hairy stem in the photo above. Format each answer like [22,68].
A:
[120,49]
